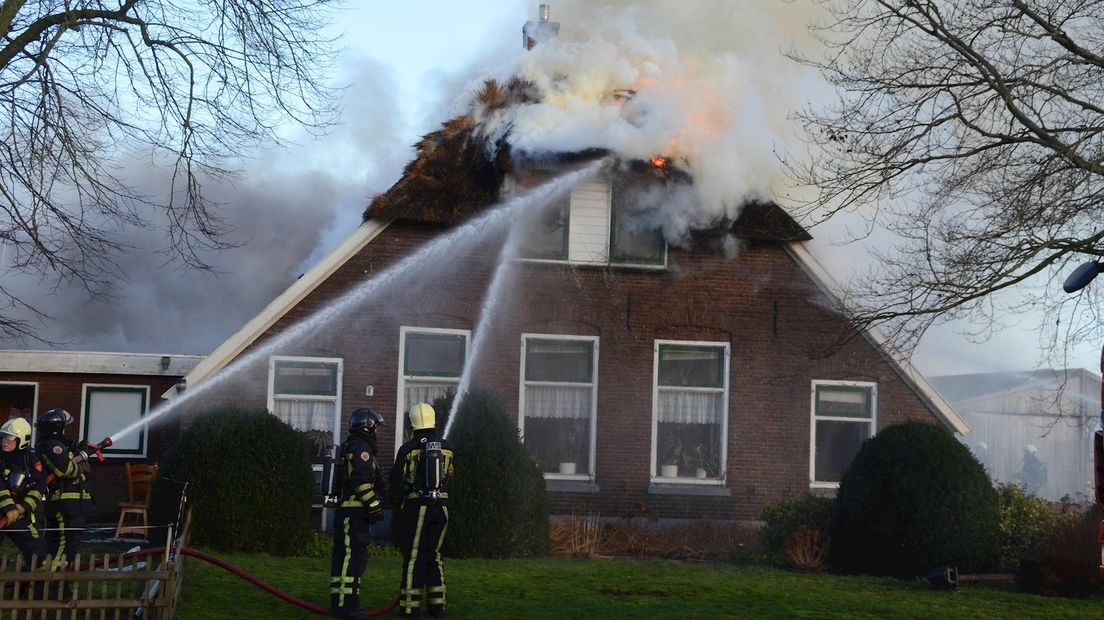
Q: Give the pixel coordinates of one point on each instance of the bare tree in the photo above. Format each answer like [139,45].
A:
[973,131]
[87,86]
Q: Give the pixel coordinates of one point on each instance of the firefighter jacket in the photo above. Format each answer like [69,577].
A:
[30,495]
[359,478]
[57,454]
[421,471]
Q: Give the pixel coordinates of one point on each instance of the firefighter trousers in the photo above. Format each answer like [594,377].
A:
[26,537]
[423,532]
[350,557]
[66,525]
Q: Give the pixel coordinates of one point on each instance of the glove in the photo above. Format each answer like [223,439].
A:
[13,515]
[80,459]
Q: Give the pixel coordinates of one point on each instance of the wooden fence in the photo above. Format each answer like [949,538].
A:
[105,586]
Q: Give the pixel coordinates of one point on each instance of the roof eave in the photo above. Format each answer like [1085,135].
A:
[904,368]
[303,286]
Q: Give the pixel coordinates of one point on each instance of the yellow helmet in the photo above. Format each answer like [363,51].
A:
[18,429]
[422,417]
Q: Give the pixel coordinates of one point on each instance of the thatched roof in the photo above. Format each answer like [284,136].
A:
[456,173]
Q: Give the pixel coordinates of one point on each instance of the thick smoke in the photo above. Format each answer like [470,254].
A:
[284,212]
[704,84]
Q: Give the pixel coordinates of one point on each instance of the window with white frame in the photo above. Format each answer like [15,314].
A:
[107,410]
[634,237]
[546,237]
[690,419]
[844,415]
[305,392]
[558,397]
[602,221]
[431,362]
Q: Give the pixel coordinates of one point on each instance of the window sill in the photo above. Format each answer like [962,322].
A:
[713,488]
[570,485]
[606,265]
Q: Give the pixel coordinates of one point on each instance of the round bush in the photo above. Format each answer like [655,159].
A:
[249,483]
[498,506]
[913,499]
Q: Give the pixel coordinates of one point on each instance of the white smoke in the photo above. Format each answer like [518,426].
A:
[705,84]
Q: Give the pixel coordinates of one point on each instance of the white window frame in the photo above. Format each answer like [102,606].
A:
[813,417]
[86,418]
[400,395]
[34,405]
[522,383]
[605,257]
[338,362]
[723,462]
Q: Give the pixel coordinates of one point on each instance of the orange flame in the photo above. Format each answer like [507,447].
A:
[659,162]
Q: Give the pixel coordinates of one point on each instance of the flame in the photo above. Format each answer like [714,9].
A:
[659,162]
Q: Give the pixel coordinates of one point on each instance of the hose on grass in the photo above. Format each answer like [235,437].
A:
[267,587]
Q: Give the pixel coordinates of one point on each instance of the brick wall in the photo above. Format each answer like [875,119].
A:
[775,319]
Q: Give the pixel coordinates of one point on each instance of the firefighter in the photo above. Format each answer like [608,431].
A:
[419,493]
[22,490]
[68,499]
[359,482]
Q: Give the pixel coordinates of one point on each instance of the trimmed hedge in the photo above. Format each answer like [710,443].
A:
[498,507]
[249,482]
[782,519]
[914,499]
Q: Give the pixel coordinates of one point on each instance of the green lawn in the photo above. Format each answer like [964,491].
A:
[562,589]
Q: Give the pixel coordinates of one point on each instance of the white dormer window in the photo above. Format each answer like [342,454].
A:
[595,224]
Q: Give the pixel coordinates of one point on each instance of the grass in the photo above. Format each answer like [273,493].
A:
[562,588]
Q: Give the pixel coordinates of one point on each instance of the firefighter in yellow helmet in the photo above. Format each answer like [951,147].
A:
[419,493]
[22,491]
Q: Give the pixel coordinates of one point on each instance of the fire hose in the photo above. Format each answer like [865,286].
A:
[97,450]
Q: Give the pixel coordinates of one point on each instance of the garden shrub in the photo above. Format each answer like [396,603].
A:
[498,506]
[1026,523]
[1068,564]
[914,498]
[782,519]
[249,483]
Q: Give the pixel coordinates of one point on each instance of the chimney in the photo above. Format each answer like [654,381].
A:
[537,32]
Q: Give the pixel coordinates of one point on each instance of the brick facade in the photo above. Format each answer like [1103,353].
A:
[774,317]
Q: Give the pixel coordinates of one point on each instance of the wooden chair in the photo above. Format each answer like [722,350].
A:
[139,482]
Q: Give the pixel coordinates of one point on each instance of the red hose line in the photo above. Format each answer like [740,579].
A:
[267,587]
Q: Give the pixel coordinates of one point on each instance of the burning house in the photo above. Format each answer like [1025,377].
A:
[651,352]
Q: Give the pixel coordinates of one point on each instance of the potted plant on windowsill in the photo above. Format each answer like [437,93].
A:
[676,458]
[567,449]
[707,462]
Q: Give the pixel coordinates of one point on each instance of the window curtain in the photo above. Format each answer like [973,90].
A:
[306,415]
[559,401]
[415,393]
[690,407]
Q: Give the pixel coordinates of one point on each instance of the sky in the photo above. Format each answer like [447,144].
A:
[410,66]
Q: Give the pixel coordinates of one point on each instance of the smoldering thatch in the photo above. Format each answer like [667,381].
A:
[458,171]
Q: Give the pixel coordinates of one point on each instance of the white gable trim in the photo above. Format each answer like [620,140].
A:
[799,251]
[232,347]
[89,362]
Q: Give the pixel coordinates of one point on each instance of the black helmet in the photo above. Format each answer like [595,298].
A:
[53,422]
[364,420]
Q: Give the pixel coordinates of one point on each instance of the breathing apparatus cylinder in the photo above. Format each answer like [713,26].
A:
[329,477]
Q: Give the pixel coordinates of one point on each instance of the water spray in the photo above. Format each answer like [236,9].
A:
[487,311]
